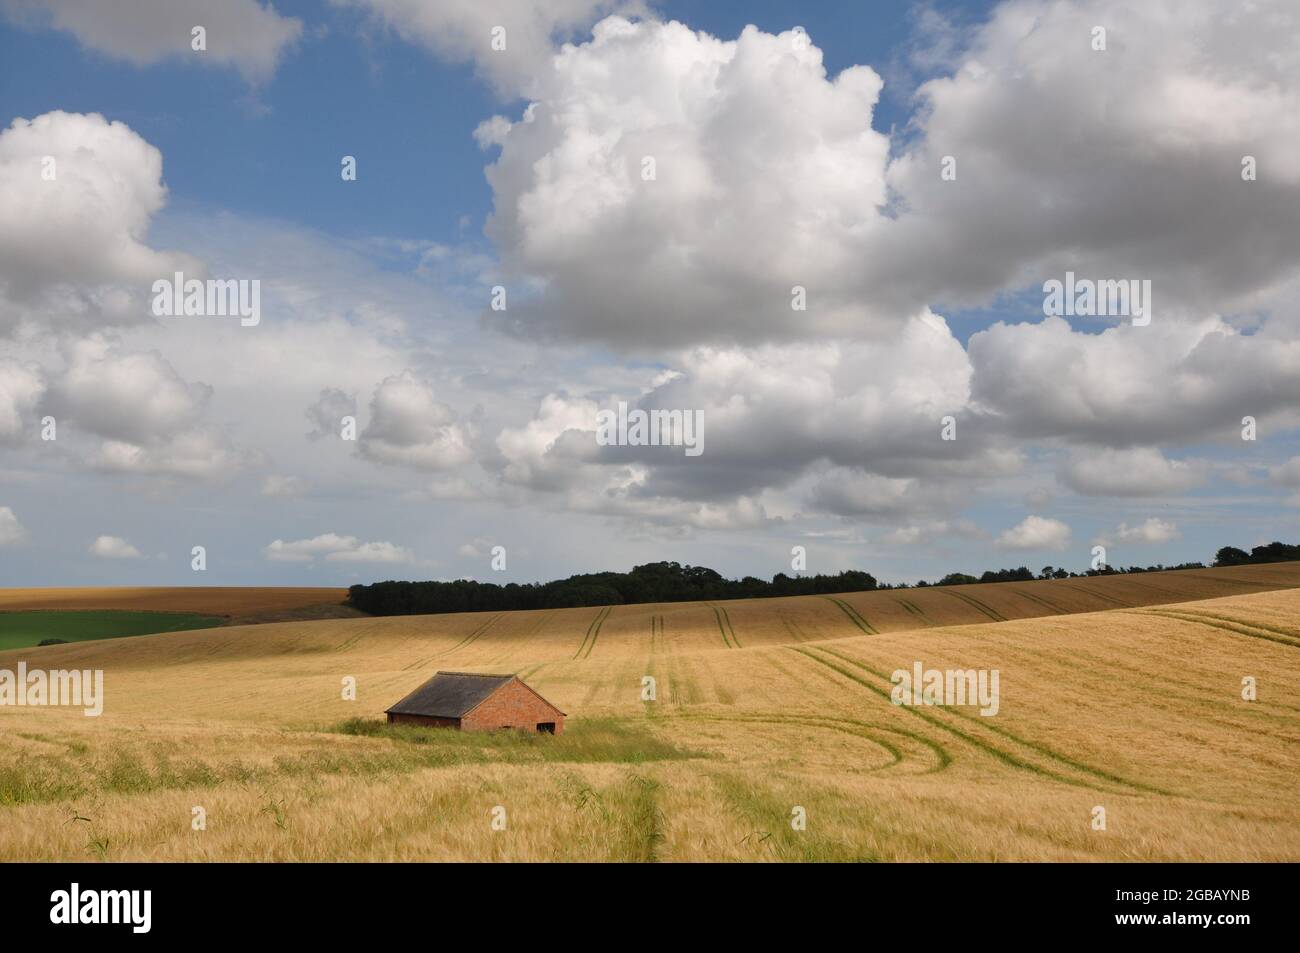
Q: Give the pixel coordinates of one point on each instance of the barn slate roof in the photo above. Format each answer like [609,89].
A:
[450,694]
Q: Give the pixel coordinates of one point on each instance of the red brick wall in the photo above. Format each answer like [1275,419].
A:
[512,706]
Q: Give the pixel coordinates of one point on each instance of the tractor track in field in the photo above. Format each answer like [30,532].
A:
[472,637]
[1235,626]
[1056,610]
[1119,603]
[913,610]
[1287,633]
[682,688]
[757,803]
[593,632]
[975,604]
[721,615]
[348,643]
[1164,595]
[854,616]
[721,693]
[849,726]
[530,671]
[1184,694]
[792,626]
[656,633]
[1255,586]
[1018,760]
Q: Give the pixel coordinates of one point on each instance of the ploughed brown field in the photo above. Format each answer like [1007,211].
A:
[1122,693]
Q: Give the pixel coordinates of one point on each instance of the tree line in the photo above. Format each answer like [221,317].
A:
[1272,553]
[673,582]
[653,582]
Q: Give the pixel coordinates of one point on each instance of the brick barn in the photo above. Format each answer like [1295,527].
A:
[471,702]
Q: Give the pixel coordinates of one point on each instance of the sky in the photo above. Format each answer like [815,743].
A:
[826,230]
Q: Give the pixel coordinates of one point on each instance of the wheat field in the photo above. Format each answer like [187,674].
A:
[1122,693]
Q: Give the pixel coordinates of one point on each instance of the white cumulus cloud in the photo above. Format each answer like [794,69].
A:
[767,174]
[279,485]
[336,548]
[113,547]
[461,31]
[244,34]
[21,387]
[11,531]
[409,427]
[1149,532]
[1035,532]
[72,248]
[1139,471]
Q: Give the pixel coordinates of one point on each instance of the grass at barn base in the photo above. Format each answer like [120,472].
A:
[613,740]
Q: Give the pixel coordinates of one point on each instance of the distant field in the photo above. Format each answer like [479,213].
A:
[766,619]
[251,604]
[23,629]
[1120,692]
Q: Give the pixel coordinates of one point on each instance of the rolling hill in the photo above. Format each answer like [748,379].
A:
[1117,692]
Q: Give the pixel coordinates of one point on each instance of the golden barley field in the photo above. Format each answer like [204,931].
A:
[1117,693]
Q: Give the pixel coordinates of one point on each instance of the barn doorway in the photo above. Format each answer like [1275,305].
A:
[546,727]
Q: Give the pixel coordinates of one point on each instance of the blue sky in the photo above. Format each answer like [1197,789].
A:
[376,294]
[272,151]
[407,116]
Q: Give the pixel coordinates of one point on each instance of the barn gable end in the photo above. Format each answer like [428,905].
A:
[475,702]
[514,705]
